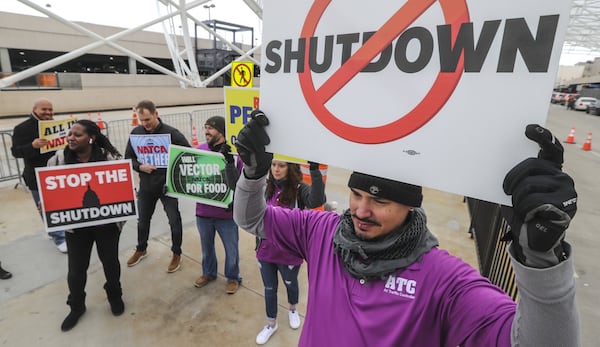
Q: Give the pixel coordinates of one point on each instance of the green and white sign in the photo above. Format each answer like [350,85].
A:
[198,175]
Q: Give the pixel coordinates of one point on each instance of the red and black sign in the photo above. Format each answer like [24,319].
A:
[89,194]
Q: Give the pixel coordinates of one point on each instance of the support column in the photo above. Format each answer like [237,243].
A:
[132,66]
[5,66]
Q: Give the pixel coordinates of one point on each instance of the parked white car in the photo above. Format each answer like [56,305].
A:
[582,103]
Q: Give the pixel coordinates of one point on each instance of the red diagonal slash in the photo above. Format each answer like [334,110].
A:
[243,80]
[455,13]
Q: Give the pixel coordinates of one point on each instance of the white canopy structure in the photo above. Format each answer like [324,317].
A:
[583,37]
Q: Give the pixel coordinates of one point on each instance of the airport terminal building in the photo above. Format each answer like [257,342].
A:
[104,77]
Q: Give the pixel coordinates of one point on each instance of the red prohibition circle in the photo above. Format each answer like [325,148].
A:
[241,69]
[455,13]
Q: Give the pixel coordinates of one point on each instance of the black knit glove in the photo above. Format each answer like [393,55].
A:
[313,166]
[250,144]
[544,202]
[226,151]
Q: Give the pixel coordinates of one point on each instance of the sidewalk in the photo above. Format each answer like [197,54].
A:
[160,309]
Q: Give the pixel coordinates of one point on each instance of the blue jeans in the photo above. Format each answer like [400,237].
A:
[289,274]
[147,204]
[57,236]
[228,232]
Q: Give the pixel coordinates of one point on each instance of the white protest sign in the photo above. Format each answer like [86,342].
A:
[435,93]
[152,149]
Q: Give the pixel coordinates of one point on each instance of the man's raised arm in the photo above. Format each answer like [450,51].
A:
[249,205]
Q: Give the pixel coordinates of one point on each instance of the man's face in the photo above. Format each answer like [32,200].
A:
[43,110]
[148,120]
[373,216]
[213,136]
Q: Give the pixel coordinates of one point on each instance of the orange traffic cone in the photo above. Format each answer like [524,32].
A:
[134,119]
[195,142]
[587,145]
[571,136]
[100,122]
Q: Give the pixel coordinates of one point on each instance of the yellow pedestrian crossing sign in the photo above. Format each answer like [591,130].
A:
[242,74]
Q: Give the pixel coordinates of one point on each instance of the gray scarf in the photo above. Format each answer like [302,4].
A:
[377,258]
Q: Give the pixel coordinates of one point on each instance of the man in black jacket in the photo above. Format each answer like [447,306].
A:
[152,185]
[26,144]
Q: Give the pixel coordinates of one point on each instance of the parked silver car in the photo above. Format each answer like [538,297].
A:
[582,103]
[593,109]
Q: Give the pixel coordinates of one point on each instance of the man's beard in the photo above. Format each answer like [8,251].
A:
[214,139]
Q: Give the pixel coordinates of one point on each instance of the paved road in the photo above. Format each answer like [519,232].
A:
[584,167]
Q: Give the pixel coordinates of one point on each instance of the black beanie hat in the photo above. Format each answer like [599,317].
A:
[217,122]
[404,193]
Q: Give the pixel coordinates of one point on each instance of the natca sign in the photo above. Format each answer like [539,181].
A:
[81,195]
[435,93]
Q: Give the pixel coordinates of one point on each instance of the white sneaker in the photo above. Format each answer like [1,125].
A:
[265,334]
[294,319]
[62,247]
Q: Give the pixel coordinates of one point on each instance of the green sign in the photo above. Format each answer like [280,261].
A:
[198,175]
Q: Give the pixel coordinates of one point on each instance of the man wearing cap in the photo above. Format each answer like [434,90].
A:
[211,219]
[152,186]
[377,277]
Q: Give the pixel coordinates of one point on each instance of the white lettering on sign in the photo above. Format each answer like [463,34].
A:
[82,179]
[110,176]
[71,180]
[199,169]
[86,213]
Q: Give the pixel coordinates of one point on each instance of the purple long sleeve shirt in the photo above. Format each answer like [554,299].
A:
[437,301]
[269,252]
[209,211]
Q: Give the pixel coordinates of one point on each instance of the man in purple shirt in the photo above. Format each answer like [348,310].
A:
[377,278]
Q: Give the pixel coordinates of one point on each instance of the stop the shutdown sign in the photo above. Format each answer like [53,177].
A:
[435,93]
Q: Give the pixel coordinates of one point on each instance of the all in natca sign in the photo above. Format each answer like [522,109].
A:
[436,93]
[82,195]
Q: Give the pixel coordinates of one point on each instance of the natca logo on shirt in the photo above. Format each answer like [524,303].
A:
[401,287]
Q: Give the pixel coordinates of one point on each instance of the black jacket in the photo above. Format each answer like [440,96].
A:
[23,136]
[156,180]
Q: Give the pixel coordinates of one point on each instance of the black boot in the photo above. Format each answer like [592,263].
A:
[117,306]
[73,317]
[4,274]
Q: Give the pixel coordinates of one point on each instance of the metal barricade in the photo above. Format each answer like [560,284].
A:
[199,117]
[10,167]
[487,227]
[180,121]
[117,131]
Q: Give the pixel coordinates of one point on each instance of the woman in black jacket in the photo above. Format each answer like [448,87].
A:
[87,144]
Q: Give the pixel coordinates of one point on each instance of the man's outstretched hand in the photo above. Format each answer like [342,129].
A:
[250,145]
[544,202]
